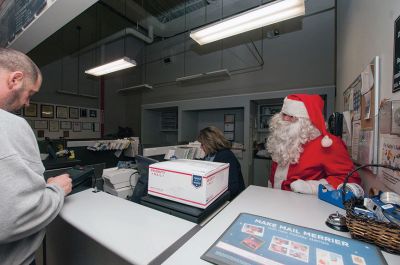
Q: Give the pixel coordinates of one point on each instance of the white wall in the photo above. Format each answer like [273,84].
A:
[365,29]
[302,56]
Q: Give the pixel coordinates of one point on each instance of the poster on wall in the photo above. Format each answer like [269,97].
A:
[395,119]
[355,139]
[253,239]
[390,148]
[396,55]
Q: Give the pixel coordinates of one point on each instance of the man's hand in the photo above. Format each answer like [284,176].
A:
[63,181]
[307,187]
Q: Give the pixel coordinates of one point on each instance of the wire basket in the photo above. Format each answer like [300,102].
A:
[384,235]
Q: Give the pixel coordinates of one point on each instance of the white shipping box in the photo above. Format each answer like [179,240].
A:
[192,182]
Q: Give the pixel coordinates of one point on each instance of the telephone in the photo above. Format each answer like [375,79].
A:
[335,124]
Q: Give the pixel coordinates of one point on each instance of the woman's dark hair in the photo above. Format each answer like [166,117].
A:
[212,139]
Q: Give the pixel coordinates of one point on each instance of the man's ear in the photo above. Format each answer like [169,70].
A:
[15,80]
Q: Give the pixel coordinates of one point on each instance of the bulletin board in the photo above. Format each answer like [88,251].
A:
[361,119]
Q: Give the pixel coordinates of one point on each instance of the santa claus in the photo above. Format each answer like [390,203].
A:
[304,154]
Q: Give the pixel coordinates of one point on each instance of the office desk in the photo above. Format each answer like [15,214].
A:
[133,233]
[303,210]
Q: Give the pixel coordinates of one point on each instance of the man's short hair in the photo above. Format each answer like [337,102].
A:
[13,60]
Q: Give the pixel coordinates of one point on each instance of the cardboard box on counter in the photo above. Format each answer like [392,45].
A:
[192,182]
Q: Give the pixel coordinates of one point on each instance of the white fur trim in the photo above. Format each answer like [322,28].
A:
[326,141]
[280,175]
[294,108]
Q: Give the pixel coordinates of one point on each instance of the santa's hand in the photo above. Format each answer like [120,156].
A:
[307,187]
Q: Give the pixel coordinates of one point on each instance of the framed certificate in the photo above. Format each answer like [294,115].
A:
[86,126]
[66,125]
[76,126]
[83,113]
[31,110]
[229,127]
[73,113]
[92,113]
[47,111]
[40,124]
[54,126]
[61,112]
[229,118]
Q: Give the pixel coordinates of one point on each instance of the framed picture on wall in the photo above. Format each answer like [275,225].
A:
[96,127]
[229,127]
[47,111]
[61,112]
[83,113]
[76,126]
[229,118]
[54,126]
[40,125]
[73,113]
[396,56]
[395,128]
[86,126]
[31,110]
[31,123]
[66,125]
[40,134]
[230,136]
[92,113]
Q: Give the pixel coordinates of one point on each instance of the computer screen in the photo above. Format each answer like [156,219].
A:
[142,164]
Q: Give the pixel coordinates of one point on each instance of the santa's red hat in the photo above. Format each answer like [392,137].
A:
[310,107]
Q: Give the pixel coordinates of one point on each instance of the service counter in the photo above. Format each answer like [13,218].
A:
[290,207]
[97,228]
[115,231]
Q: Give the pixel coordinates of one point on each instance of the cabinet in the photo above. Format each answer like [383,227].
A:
[262,169]
[265,112]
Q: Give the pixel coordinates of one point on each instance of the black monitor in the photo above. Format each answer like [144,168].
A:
[142,164]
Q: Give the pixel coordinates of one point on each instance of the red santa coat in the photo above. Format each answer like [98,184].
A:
[316,162]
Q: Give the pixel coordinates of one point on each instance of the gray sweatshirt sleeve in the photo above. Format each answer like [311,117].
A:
[27,204]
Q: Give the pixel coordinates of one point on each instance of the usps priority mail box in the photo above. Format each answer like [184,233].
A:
[193,182]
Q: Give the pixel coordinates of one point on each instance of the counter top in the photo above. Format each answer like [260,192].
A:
[295,208]
[136,233]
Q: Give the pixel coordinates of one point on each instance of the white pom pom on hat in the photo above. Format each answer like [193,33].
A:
[311,107]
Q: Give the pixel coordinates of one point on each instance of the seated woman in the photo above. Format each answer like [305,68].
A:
[217,149]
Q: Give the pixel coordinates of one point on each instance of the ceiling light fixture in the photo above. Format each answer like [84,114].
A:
[214,75]
[114,66]
[255,18]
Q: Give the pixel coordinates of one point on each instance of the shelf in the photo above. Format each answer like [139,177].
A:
[265,112]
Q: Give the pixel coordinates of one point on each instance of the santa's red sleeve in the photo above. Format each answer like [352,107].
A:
[338,163]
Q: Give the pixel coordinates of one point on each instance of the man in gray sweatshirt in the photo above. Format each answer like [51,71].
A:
[27,203]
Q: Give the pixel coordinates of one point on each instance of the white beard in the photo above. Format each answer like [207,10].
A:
[286,139]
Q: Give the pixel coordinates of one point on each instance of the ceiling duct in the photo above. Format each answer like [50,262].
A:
[204,77]
[121,34]
[136,88]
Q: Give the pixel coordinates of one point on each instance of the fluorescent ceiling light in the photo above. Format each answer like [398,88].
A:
[111,67]
[219,74]
[255,18]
